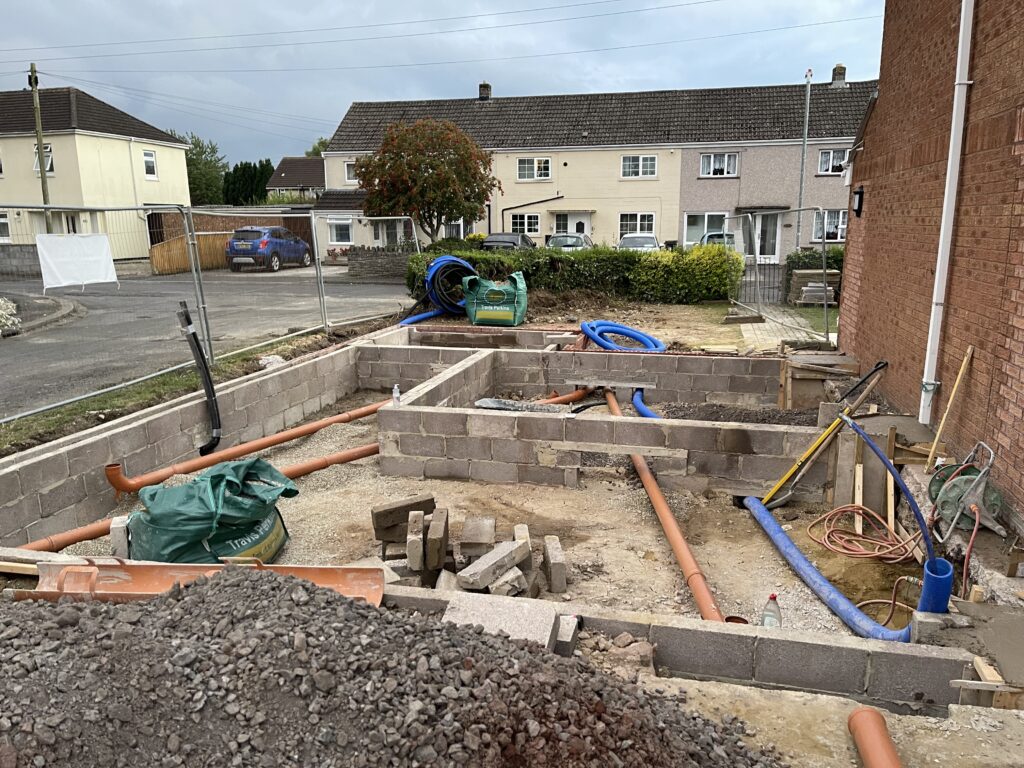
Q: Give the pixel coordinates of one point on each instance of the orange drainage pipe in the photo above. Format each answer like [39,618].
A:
[695,580]
[573,397]
[870,734]
[122,484]
[315,465]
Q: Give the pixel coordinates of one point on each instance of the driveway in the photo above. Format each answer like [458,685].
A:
[120,334]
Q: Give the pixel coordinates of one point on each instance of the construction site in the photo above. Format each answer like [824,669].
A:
[547,553]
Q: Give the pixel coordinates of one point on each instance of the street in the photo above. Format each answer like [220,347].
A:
[117,334]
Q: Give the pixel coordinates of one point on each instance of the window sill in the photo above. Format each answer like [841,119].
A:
[638,178]
[152,178]
[829,175]
[720,176]
[343,245]
[533,181]
[828,242]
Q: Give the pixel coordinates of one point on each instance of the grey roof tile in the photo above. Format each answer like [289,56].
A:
[293,172]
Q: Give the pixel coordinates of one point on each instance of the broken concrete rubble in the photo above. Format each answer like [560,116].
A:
[477,536]
[395,513]
[486,570]
[509,584]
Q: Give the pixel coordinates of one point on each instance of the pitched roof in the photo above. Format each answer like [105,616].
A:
[65,109]
[341,200]
[754,113]
[294,172]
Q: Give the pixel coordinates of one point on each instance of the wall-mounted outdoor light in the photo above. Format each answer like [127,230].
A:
[858,200]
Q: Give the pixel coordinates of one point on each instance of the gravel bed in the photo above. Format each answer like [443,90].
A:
[738,413]
[261,670]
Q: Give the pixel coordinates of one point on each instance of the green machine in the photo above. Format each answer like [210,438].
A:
[490,303]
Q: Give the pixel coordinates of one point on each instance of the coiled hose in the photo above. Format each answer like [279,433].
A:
[599,330]
[443,282]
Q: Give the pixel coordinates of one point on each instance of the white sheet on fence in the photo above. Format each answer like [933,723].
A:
[75,260]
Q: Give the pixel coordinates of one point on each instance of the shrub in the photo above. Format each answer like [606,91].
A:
[475,239]
[805,259]
[447,245]
[701,273]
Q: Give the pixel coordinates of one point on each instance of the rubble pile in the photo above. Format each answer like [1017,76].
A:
[418,551]
[256,669]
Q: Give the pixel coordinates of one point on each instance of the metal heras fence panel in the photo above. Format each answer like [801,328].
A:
[75,341]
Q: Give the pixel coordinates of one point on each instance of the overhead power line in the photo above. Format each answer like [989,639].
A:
[347,27]
[520,57]
[402,35]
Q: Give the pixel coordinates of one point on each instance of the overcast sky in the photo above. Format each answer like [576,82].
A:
[253,114]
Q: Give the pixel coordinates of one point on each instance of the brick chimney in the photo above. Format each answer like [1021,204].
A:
[839,77]
[485,91]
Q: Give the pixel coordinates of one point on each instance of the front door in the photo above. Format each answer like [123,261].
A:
[579,223]
[767,238]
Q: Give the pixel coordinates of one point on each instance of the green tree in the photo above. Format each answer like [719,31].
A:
[429,170]
[246,182]
[205,166]
[318,146]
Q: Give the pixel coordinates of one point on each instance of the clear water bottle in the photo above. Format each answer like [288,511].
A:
[771,616]
[396,396]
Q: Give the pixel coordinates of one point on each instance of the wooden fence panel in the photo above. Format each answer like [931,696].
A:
[171,256]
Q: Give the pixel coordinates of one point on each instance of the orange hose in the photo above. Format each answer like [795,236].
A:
[115,472]
[870,734]
[695,580]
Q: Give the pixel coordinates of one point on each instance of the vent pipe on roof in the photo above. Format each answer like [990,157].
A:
[839,77]
[485,91]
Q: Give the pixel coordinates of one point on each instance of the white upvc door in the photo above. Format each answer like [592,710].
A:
[767,226]
[579,223]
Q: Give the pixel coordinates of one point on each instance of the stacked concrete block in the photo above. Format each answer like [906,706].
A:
[437,540]
[414,541]
[477,536]
[485,570]
[554,565]
[521,532]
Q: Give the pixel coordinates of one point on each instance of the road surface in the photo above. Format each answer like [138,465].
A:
[118,334]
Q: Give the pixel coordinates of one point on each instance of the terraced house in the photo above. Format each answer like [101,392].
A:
[673,163]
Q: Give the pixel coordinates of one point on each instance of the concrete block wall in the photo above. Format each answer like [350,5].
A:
[61,485]
[749,381]
[481,337]
[381,366]
[377,263]
[19,260]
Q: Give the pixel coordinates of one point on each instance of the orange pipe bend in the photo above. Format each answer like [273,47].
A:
[870,734]
[573,397]
[694,576]
[122,484]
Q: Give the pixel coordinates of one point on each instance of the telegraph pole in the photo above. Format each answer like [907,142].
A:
[803,156]
[33,82]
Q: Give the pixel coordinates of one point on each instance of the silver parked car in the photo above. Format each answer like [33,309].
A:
[638,242]
[570,242]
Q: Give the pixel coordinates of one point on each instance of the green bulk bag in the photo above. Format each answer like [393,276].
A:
[489,303]
[228,511]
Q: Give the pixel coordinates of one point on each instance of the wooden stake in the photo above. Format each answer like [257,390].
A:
[929,467]
[858,484]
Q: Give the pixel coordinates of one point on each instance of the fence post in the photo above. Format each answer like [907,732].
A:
[321,292]
[197,279]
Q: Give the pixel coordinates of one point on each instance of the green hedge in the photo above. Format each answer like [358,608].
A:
[701,273]
[804,259]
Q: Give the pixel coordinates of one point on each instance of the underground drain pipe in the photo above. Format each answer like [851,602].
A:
[115,472]
[870,734]
[695,580]
[573,397]
[315,465]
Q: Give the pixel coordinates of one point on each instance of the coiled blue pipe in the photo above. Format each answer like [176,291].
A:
[435,290]
[413,319]
[641,406]
[598,330]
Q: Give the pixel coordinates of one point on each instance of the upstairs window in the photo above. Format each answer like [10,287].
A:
[639,166]
[533,168]
[350,172]
[830,161]
[149,163]
[835,226]
[526,223]
[718,164]
[47,157]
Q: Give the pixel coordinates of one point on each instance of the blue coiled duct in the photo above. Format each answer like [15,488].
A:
[444,276]
[641,406]
[598,331]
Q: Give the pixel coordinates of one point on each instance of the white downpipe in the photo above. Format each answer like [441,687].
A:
[956,140]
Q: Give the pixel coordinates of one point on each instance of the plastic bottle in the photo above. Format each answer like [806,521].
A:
[396,396]
[771,616]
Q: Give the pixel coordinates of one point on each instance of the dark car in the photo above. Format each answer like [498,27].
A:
[266,247]
[506,241]
[570,242]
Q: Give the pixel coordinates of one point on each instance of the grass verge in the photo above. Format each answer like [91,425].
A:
[815,318]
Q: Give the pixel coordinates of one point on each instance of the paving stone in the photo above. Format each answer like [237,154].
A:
[534,620]
[485,571]
[395,512]
[521,532]
[437,540]
[414,541]
[509,584]
[554,565]
[568,634]
[477,536]
[447,581]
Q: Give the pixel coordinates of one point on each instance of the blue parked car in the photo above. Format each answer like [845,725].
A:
[266,247]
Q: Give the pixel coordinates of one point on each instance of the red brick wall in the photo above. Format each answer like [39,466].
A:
[891,250]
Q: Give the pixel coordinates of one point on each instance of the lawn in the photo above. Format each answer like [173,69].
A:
[816,319]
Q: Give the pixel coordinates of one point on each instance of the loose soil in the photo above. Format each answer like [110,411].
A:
[737,413]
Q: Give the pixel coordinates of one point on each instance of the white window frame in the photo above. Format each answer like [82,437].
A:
[529,223]
[842,220]
[332,223]
[709,173]
[705,214]
[47,155]
[350,178]
[651,172]
[638,230]
[535,169]
[564,216]
[150,154]
[831,153]
[5,219]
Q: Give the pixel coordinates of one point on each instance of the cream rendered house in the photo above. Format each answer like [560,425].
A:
[96,157]
[672,163]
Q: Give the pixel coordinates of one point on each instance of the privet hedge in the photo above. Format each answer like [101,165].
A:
[701,273]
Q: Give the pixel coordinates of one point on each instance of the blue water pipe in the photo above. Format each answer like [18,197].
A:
[599,330]
[413,319]
[445,305]
[641,406]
